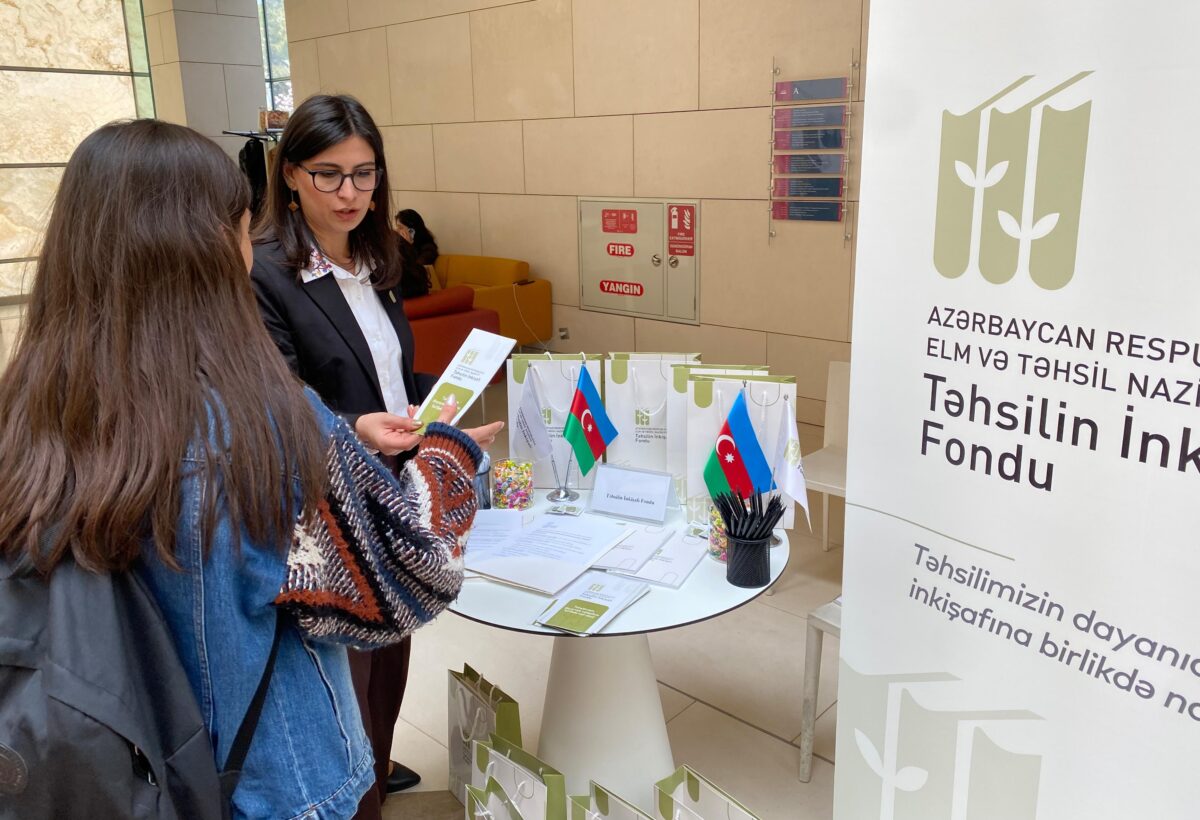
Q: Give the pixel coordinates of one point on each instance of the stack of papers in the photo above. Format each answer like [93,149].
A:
[590,604]
[674,561]
[545,557]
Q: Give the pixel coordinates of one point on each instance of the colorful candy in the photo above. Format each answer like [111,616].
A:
[718,543]
[512,485]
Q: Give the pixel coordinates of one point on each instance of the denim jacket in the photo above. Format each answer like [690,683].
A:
[310,757]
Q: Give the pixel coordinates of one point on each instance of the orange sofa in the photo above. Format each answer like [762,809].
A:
[440,324]
[502,285]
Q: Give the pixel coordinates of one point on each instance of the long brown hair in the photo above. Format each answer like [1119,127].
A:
[142,340]
[319,123]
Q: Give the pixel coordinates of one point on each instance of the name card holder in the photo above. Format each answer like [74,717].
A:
[625,492]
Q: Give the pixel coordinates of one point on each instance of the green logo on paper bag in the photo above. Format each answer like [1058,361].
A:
[1010,189]
[907,759]
[546,417]
[641,418]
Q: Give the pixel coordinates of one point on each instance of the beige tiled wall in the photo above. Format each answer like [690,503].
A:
[497,115]
[206,64]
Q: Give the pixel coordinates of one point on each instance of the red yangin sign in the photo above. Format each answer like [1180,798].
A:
[621,288]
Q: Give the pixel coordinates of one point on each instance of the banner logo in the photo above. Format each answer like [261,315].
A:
[1010,189]
[907,759]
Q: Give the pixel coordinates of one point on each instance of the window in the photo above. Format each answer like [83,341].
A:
[272,27]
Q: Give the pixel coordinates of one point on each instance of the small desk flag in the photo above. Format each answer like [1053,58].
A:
[588,430]
[737,463]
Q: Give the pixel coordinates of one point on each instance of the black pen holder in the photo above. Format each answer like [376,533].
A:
[749,562]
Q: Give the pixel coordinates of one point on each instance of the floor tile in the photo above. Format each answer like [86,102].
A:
[823,738]
[422,806]
[673,702]
[749,663]
[422,754]
[758,770]
[812,577]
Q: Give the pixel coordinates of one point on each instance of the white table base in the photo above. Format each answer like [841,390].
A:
[603,717]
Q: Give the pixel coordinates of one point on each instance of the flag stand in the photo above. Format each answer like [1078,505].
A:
[563,493]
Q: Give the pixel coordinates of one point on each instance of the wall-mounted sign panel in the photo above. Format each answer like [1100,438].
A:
[812,138]
[807,211]
[810,163]
[829,88]
[808,188]
[810,115]
[640,258]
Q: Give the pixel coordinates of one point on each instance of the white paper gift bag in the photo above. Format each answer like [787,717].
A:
[475,711]
[601,804]
[490,803]
[677,396]
[557,376]
[689,795]
[709,401]
[635,396]
[537,790]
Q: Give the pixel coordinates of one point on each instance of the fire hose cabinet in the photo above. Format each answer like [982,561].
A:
[640,257]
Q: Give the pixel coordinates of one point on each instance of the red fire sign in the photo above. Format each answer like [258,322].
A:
[619,249]
[618,220]
[681,230]
[621,288]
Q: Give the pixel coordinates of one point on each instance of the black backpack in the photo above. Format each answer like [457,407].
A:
[97,718]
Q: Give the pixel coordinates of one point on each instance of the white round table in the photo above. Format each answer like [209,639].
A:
[603,717]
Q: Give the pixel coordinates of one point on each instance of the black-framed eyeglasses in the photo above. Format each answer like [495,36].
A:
[327,180]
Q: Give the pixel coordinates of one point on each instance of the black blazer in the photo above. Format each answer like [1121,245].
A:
[319,337]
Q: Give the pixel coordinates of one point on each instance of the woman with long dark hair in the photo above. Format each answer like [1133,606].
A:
[149,424]
[418,250]
[326,273]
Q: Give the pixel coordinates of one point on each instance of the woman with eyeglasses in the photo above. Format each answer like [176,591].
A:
[327,274]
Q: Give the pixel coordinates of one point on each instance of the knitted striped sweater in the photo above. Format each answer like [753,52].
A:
[380,556]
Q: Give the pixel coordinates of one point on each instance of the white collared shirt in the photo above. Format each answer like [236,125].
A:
[374,323]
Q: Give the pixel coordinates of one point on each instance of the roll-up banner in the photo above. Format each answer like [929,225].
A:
[1021,617]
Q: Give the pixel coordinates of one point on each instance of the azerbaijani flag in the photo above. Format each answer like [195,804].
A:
[737,463]
[588,429]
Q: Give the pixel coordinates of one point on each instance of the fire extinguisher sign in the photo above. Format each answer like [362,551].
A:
[681,230]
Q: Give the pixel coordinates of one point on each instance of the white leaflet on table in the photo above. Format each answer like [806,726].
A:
[637,548]
[494,528]
[674,561]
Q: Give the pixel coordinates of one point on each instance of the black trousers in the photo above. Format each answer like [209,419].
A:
[379,678]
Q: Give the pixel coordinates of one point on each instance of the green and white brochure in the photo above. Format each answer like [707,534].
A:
[473,366]
[590,604]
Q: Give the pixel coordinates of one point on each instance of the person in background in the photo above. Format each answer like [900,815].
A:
[149,424]
[327,274]
[418,250]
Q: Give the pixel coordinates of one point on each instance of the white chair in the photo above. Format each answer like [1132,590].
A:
[825,618]
[825,469]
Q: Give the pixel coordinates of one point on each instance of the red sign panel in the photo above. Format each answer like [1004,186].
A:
[681,230]
[621,288]
[619,249]
[618,220]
